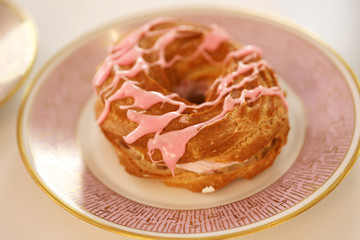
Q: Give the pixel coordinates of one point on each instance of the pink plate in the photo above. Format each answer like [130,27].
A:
[67,156]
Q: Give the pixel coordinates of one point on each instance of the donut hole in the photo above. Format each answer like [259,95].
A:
[194,85]
[192,91]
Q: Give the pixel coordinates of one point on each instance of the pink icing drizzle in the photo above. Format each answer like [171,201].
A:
[148,124]
[172,145]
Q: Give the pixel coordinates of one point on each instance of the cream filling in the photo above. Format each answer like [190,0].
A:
[204,166]
[208,189]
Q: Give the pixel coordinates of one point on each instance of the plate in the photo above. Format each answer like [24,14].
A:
[100,158]
[18,46]
[65,153]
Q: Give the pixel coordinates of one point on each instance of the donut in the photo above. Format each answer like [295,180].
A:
[188,105]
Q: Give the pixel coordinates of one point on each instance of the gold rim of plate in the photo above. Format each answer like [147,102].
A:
[25,17]
[271,17]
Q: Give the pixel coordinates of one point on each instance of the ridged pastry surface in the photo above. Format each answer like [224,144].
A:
[188,105]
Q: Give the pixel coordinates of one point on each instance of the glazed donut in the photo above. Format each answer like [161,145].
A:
[186,104]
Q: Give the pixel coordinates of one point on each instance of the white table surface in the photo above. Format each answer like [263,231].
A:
[27,213]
